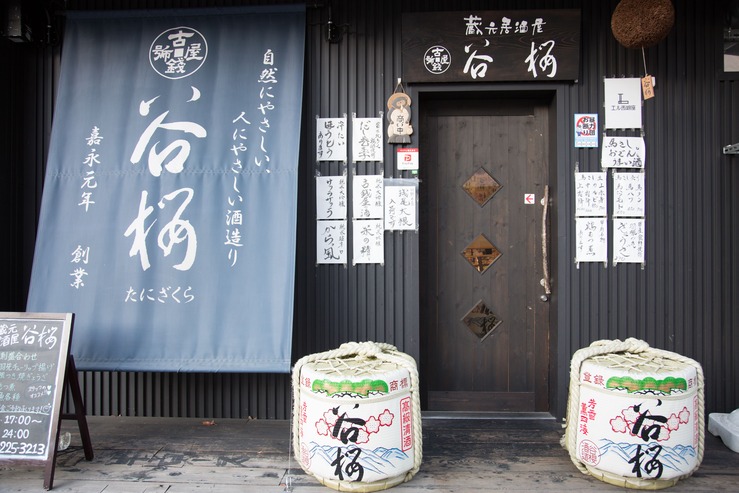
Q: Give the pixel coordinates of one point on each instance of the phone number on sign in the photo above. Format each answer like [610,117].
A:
[22,448]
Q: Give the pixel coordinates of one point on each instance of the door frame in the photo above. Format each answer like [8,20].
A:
[560,173]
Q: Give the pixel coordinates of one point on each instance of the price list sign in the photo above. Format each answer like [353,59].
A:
[33,356]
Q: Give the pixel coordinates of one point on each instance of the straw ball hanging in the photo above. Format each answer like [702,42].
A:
[642,23]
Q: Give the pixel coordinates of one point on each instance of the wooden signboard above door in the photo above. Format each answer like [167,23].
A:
[484,46]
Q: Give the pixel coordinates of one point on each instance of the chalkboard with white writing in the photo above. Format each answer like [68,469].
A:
[34,350]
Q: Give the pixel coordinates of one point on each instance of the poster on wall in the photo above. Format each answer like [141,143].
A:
[367,139]
[623,152]
[628,241]
[170,201]
[628,194]
[367,196]
[586,129]
[331,198]
[400,207]
[331,242]
[591,194]
[331,139]
[368,241]
[622,103]
[591,239]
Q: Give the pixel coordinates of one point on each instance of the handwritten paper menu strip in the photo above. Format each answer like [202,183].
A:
[331,198]
[628,241]
[331,139]
[368,241]
[591,239]
[590,194]
[623,152]
[368,197]
[331,241]
[628,194]
[400,208]
[367,139]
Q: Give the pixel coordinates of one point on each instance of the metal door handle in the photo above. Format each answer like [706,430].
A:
[544,251]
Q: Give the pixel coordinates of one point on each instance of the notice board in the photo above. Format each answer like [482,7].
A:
[34,361]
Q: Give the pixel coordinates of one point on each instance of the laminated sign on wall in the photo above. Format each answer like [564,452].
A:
[622,103]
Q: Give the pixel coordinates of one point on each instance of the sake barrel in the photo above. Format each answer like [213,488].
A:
[356,417]
[638,421]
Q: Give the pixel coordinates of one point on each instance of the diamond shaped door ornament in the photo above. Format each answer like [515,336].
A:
[481,254]
[481,320]
[481,186]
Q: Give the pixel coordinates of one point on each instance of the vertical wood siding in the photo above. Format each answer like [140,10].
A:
[683,300]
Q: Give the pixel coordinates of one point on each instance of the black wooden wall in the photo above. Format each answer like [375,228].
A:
[682,301]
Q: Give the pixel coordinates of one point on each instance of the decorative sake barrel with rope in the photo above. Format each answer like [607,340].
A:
[635,414]
[356,417]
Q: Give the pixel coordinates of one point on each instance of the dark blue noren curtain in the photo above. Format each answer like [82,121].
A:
[168,220]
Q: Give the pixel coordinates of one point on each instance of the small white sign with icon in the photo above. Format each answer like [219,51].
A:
[408,158]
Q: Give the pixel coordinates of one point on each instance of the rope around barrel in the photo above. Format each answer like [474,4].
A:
[635,347]
[380,351]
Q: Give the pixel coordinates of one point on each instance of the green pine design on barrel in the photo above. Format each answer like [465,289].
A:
[665,386]
[363,387]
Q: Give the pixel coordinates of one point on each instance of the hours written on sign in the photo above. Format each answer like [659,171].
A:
[33,355]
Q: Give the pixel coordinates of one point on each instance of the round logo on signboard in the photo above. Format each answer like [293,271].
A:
[178,52]
[437,59]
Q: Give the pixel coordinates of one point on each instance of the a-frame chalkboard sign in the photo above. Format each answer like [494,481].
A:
[36,369]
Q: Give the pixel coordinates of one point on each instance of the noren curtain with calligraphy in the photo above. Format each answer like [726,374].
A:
[168,222]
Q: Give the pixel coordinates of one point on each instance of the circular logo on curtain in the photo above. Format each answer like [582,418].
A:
[178,52]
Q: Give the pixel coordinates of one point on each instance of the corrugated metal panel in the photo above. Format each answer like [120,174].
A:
[355,77]
[26,122]
[209,395]
[726,361]
[682,301]
[11,293]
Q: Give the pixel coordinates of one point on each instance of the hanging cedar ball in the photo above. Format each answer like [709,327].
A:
[642,23]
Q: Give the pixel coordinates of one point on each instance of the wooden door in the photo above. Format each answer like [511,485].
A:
[484,324]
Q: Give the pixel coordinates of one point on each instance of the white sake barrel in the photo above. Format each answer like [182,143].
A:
[639,418]
[357,419]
